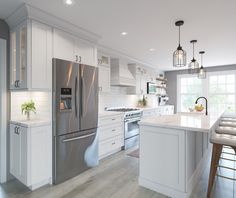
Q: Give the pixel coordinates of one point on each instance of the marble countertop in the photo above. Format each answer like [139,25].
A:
[185,121]
[109,113]
[31,123]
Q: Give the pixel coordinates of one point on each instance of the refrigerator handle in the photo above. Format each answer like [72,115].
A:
[82,97]
[78,138]
[76,85]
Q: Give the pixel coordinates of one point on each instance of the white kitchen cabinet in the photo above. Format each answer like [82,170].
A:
[104,76]
[71,48]
[30,56]
[64,45]
[111,134]
[141,81]
[31,155]
[104,79]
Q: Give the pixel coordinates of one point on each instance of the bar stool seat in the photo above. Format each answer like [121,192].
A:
[229,115]
[222,136]
[227,124]
[228,119]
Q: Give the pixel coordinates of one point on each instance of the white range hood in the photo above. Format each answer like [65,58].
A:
[120,74]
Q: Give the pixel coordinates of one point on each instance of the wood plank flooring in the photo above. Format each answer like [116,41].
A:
[115,177]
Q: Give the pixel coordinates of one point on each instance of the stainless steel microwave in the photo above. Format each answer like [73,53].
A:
[151,88]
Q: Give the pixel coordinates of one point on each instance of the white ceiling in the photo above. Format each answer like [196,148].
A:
[150,24]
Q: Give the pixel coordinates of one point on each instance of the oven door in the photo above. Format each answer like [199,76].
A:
[131,128]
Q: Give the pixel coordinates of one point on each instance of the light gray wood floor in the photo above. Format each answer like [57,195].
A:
[115,177]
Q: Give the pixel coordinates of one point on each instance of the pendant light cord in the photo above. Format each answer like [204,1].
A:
[179,35]
[193,50]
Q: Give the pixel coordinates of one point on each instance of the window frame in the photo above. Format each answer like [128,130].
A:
[205,89]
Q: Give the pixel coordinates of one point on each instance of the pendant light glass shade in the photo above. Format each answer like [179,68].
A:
[193,66]
[179,56]
[202,70]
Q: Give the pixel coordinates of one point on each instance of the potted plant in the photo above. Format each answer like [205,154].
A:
[27,108]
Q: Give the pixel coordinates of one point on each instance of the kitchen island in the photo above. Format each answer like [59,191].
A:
[174,150]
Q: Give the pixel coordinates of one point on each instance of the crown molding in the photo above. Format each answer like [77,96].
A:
[27,11]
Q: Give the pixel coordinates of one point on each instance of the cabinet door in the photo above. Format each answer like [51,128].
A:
[63,45]
[18,53]
[41,56]
[22,62]
[139,89]
[13,60]
[18,152]
[104,79]
[86,52]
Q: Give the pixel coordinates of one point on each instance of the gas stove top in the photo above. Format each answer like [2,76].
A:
[122,109]
[128,112]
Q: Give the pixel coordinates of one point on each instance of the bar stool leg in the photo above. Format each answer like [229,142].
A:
[216,153]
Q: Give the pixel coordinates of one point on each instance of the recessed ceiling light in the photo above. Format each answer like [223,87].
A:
[152,49]
[124,33]
[69,2]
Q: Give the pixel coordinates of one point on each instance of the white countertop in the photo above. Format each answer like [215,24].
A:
[30,123]
[186,121]
[109,113]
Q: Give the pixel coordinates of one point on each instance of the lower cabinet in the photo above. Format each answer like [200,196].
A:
[31,155]
[111,135]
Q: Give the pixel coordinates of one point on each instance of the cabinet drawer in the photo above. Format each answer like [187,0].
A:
[110,131]
[103,121]
[108,147]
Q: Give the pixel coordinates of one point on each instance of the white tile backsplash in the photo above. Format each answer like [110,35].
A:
[43,103]
[114,99]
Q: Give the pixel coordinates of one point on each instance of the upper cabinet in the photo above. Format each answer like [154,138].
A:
[104,76]
[71,48]
[31,56]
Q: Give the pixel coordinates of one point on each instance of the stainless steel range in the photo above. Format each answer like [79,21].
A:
[131,128]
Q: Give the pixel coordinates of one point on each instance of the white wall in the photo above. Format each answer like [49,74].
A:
[3,112]
[42,102]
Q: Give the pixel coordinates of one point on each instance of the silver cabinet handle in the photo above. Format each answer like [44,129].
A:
[80,59]
[15,83]
[113,130]
[78,138]
[113,119]
[113,143]
[17,130]
[76,58]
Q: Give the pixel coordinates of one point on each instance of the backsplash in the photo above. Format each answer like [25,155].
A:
[118,98]
[42,102]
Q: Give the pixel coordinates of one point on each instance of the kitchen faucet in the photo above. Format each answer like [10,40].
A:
[206,103]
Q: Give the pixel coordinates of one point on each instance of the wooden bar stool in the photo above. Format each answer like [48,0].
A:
[222,136]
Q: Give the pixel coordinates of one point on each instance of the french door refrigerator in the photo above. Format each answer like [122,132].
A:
[75,119]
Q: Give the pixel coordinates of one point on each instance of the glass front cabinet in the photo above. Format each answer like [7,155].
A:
[31,56]
[18,61]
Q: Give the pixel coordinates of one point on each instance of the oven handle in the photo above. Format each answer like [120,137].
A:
[132,120]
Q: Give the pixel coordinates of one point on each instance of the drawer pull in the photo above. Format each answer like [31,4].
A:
[113,119]
[113,143]
[113,130]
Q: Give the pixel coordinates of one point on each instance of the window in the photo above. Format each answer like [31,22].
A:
[218,87]
[221,92]
[190,88]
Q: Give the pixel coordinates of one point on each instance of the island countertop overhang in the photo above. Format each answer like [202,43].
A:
[183,121]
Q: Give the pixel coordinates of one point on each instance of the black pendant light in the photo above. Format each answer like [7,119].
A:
[202,70]
[179,56]
[193,66]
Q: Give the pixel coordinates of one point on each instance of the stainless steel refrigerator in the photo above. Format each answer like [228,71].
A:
[75,119]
